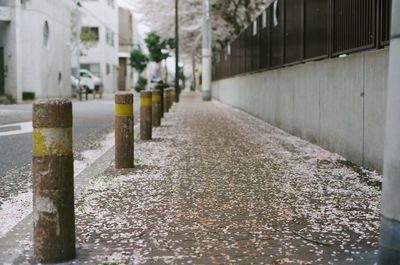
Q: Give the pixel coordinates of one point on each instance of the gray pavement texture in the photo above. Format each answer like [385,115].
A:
[217,186]
[92,121]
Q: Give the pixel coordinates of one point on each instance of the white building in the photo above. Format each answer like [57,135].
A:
[128,40]
[34,48]
[101,17]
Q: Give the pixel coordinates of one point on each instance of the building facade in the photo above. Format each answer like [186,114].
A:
[126,36]
[100,18]
[35,48]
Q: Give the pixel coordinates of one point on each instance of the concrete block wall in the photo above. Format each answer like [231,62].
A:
[338,103]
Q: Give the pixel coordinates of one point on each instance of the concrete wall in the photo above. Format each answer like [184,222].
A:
[338,104]
[46,68]
[31,65]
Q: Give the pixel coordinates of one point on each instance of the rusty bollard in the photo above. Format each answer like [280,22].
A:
[123,130]
[145,115]
[172,97]
[156,108]
[53,181]
[165,100]
[168,99]
[161,89]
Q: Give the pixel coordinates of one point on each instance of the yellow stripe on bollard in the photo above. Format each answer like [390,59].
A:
[156,98]
[124,110]
[145,102]
[52,141]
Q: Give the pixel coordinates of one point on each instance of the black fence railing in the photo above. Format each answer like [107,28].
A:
[295,31]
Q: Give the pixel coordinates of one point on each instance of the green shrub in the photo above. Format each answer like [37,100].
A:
[162,85]
[141,84]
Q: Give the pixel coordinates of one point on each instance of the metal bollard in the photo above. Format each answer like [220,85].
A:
[53,181]
[156,108]
[145,115]
[123,130]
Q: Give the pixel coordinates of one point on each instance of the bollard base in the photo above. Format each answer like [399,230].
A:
[389,245]
[206,95]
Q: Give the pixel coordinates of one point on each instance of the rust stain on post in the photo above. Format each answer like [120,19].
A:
[53,181]
[145,115]
[123,130]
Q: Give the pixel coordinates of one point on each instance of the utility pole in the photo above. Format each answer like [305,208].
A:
[177,72]
[389,244]
[206,52]
[78,50]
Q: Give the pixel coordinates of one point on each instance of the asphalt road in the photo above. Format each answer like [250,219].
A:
[92,120]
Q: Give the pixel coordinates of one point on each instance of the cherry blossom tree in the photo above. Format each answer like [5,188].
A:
[229,19]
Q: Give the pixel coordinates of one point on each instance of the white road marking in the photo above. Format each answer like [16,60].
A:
[15,209]
[25,127]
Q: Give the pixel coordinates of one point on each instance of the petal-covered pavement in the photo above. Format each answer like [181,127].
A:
[217,186]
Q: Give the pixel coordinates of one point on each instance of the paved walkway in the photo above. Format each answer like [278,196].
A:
[217,186]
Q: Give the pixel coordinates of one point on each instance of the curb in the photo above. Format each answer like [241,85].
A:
[11,249]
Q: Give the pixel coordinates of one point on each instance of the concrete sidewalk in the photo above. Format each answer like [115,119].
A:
[217,186]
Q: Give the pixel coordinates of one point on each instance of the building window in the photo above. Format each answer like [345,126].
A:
[90,34]
[94,68]
[108,69]
[46,34]
[109,37]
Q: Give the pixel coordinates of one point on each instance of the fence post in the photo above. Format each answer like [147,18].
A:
[53,181]
[145,115]
[123,130]
[156,111]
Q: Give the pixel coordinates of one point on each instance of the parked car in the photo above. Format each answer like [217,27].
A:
[74,86]
[91,83]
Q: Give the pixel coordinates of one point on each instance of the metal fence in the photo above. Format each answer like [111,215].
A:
[295,31]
